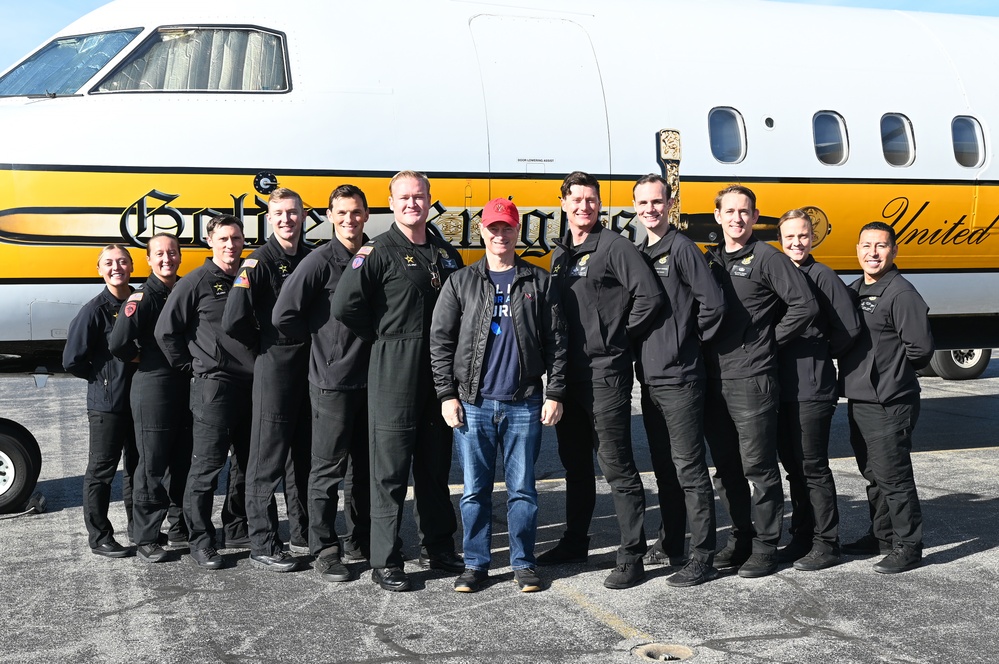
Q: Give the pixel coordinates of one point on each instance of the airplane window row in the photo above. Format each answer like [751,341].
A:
[175,59]
[727,131]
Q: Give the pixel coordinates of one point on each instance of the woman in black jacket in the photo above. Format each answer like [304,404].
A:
[109,379]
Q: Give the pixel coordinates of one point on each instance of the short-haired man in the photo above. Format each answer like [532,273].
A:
[671,372]
[388,298]
[610,299]
[338,381]
[494,336]
[740,407]
[160,402]
[281,414]
[878,376]
[189,332]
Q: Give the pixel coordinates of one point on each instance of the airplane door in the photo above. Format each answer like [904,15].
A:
[544,98]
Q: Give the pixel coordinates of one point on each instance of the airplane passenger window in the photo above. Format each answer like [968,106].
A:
[897,141]
[728,135]
[969,141]
[829,133]
[62,66]
[203,60]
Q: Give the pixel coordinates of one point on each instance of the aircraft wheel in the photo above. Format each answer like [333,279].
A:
[20,464]
[963,364]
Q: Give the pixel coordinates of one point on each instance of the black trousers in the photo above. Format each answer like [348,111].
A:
[881,437]
[740,424]
[339,454]
[161,410]
[280,436]
[112,436]
[674,422]
[221,424]
[407,432]
[803,449]
[596,415]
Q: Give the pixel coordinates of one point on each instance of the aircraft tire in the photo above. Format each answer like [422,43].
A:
[20,464]
[963,364]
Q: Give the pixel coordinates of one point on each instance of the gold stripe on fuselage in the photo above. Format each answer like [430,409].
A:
[51,221]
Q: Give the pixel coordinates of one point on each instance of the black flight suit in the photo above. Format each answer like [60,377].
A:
[671,372]
[878,376]
[740,407]
[112,435]
[190,334]
[610,299]
[280,420]
[161,410]
[808,397]
[338,390]
[388,297]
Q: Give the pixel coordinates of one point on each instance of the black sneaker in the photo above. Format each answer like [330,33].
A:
[151,553]
[279,562]
[471,580]
[566,553]
[625,575]
[901,559]
[656,556]
[111,549]
[815,560]
[448,561]
[868,545]
[694,573]
[527,580]
[796,548]
[733,555]
[330,568]
[207,558]
[758,564]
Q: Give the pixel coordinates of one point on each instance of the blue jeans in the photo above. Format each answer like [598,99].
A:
[513,428]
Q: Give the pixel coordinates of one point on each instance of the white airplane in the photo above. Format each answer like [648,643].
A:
[143,117]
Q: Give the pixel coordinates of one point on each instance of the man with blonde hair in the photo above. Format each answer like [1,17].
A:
[281,413]
[387,297]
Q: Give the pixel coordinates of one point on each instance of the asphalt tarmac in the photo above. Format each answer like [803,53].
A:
[60,603]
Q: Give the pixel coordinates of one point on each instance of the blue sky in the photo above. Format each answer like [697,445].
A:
[25,24]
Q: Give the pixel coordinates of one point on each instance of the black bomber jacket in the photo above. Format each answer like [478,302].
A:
[460,330]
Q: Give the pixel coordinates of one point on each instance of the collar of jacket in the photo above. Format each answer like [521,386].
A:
[664,246]
[878,287]
[155,285]
[481,268]
[719,250]
[338,249]
[589,244]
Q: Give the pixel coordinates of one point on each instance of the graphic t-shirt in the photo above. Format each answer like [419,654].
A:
[502,362]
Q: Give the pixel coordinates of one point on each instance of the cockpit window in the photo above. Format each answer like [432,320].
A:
[207,59]
[64,65]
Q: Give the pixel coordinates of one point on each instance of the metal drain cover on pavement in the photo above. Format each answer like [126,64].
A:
[662,652]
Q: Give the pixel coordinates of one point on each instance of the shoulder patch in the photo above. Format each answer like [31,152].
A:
[249,263]
[135,297]
[365,250]
[358,261]
[242,281]
[130,307]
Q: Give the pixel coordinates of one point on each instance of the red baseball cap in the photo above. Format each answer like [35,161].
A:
[500,209]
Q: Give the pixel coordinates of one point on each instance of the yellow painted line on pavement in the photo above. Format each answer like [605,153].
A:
[612,620]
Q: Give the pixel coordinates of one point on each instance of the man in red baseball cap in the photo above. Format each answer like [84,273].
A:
[493,337]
